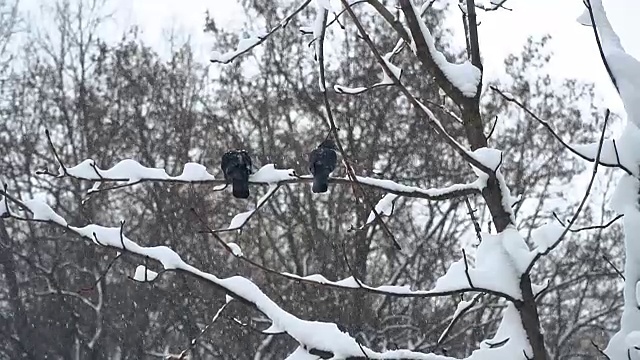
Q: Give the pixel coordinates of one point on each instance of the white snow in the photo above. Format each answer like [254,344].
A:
[489,157]
[625,200]
[313,334]
[386,79]
[194,172]
[41,211]
[393,186]
[465,77]
[462,306]
[347,282]
[301,354]
[270,175]
[272,329]
[235,249]
[143,274]
[500,260]
[517,249]
[546,235]
[510,328]
[384,207]
[633,340]
[625,152]
[625,196]
[316,30]
[239,220]
[626,71]
[126,170]
[625,68]
[351,283]
[243,45]
[340,89]
[110,236]
[508,95]
[538,288]
[95,187]
[131,171]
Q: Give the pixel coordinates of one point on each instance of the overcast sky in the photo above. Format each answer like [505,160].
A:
[501,32]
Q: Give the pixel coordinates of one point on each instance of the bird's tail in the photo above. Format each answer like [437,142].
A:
[240,188]
[320,183]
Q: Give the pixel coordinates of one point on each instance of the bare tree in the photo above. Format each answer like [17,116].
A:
[497,266]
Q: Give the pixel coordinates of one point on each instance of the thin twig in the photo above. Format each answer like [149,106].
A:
[555,135]
[600,350]
[600,50]
[582,203]
[474,220]
[194,341]
[493,128]
[590,227]
[466,268]
[102,275]
[266,36]
[339,285]
[346,261]
[614,267]
[387,186]
[459,315]
[230,285]
[334,130]
[255,329]
[432,120]
[55,153]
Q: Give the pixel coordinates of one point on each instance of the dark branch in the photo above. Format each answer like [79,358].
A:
[600,50]
[266,36]
[582,203]
[614,267]
[421,108]
[555,135]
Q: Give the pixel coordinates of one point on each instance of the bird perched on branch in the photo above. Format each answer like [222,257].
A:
[236,166]
[322,161]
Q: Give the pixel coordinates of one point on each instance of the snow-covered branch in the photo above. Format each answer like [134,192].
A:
[458,279]
[545,247]
[247,44]
[129,172]
[459,81]
[386,80]
[315,337]
[424,110]
[623,69]
[612,154]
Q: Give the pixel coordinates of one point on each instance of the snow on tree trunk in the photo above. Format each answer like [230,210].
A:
[627,340]
[624,71]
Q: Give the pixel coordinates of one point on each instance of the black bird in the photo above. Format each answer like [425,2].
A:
[236,166]
[322,161]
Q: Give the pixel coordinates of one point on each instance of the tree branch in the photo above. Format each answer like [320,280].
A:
[582,203]
[245,49]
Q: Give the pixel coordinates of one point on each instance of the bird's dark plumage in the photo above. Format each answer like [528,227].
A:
[236,166]
[322,161]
